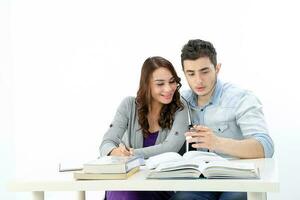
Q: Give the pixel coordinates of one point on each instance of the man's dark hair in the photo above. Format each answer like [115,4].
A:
[195,49]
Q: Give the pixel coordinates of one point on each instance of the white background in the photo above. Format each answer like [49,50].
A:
[65,66]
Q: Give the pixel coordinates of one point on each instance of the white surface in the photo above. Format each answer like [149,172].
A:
[65,66]
[268,182]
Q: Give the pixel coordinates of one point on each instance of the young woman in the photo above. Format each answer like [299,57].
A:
[152,123]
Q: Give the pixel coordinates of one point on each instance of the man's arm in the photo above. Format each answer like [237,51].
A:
[246,148]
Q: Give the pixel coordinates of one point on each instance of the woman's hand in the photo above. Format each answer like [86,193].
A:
[121,151]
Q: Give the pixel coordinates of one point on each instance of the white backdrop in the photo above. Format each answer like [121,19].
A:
[66,65]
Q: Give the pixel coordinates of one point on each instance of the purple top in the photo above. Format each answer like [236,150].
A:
[150,140]
[136,195]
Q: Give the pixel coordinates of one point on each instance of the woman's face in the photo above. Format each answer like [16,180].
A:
[162,86]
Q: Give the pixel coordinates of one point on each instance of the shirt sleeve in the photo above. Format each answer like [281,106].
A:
[174,140]
[117,128]
[251,120]
[266,142]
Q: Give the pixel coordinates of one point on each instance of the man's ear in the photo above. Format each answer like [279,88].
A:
[218,67]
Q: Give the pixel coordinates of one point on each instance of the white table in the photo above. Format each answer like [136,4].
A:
[256,189]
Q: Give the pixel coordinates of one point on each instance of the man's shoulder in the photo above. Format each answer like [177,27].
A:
[232,94]
[232,89]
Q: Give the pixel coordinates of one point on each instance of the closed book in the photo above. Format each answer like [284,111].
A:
[112,164]
[80,175]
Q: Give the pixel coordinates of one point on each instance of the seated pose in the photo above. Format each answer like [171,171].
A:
[152,123]
[228,120]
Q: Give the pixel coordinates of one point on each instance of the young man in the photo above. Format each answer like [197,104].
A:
[228,120]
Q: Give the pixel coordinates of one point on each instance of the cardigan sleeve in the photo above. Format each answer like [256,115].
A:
[117,128]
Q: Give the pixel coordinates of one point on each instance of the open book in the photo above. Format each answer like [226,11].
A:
[154,161]
[194,164]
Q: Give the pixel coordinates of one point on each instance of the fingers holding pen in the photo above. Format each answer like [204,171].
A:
[120,151]
[124,150]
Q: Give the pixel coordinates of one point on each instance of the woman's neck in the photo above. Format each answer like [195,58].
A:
[155,109]
[153,116]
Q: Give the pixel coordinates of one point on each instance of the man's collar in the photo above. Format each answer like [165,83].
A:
[217,93]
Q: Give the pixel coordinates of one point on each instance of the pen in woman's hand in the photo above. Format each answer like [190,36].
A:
[121,143]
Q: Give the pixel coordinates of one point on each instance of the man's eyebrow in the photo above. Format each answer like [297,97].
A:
[205,68]
[189,71]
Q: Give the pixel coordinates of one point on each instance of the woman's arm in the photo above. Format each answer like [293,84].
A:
[117,128]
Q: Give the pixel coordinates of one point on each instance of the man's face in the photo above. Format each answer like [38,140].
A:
[201,75]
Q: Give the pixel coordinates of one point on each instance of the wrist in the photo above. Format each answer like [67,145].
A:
[110,153]
[218,145]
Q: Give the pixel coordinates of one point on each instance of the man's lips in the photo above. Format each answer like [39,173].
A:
[200,88]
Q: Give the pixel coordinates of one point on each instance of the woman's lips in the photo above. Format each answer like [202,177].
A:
[167,96]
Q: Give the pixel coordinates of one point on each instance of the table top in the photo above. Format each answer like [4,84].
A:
[268,182]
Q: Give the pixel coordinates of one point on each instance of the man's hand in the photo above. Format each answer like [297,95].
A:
[202,137]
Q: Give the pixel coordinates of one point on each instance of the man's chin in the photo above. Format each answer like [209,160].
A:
[200,93]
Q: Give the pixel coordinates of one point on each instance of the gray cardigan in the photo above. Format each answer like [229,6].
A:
[125,125]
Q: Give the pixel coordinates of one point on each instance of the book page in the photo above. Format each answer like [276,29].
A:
[203,156]
[70,165]
[176,165]
[154,161]
[221,169]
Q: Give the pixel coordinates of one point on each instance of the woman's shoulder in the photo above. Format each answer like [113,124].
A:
[128,102]
[129,99]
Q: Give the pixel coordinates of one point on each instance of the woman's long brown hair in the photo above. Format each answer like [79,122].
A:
[143,99]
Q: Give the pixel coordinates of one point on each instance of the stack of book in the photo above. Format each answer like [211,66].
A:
[109,167]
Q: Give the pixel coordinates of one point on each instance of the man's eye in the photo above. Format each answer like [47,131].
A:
[191,74]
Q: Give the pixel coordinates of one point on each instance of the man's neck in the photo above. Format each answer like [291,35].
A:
[203,100]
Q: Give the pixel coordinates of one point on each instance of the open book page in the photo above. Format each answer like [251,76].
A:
[176,165]
[178,169]
[203,156]
[154,161]
[221,169]
[194,156]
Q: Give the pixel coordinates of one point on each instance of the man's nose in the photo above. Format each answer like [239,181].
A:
[199,79]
